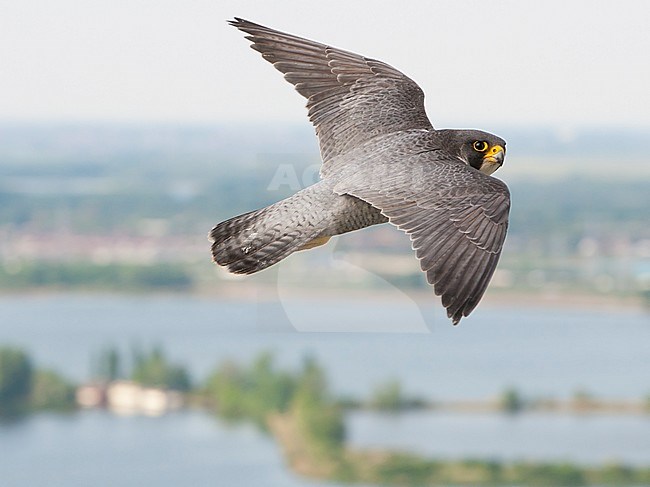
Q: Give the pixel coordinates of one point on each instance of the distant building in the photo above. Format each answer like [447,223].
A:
[91,396]
[129,398]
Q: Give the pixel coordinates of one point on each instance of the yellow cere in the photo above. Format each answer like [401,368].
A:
[495,149]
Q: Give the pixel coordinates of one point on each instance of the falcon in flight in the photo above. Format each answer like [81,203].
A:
[383,161]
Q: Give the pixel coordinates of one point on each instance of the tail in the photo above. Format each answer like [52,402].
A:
[253,241]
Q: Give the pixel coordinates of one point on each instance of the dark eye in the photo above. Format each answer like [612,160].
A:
[480,146]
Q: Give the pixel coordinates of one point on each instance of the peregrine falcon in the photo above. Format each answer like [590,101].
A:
[383,161]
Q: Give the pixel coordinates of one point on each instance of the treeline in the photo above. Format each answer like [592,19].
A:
[149,368]
[25,388]
[90,276]
[261,392]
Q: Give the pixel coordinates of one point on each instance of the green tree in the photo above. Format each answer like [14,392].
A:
[225,391]
[319,417]
[109,364]
[51,391]
[511,401]
[273,389]
[388,397]
[250,393]
[16,375]
[153,370]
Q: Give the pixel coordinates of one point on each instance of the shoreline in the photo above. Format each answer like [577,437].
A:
[305,456]
[265,293]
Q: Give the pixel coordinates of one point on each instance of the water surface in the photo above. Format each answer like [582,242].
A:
[541,352]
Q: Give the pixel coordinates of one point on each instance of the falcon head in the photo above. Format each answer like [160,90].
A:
[481,150]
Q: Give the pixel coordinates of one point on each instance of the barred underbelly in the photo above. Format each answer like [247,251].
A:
[353,214]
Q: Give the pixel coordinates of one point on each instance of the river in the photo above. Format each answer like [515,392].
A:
[543,352]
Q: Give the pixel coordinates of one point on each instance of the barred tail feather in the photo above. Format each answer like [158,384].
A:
[256,240]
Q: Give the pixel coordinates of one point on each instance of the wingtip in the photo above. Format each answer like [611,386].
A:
[236,21]
[455,316]
[242,23]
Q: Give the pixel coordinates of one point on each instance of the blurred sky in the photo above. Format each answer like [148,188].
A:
[559,63]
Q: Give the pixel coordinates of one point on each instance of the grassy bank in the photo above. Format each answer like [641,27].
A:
[402,469]
[308,423]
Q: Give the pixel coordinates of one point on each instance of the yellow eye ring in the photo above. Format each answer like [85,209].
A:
[480,146]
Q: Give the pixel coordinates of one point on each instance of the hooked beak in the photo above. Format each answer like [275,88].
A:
[493,159]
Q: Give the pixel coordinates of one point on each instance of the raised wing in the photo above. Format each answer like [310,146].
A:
[456,217]
[350,98]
